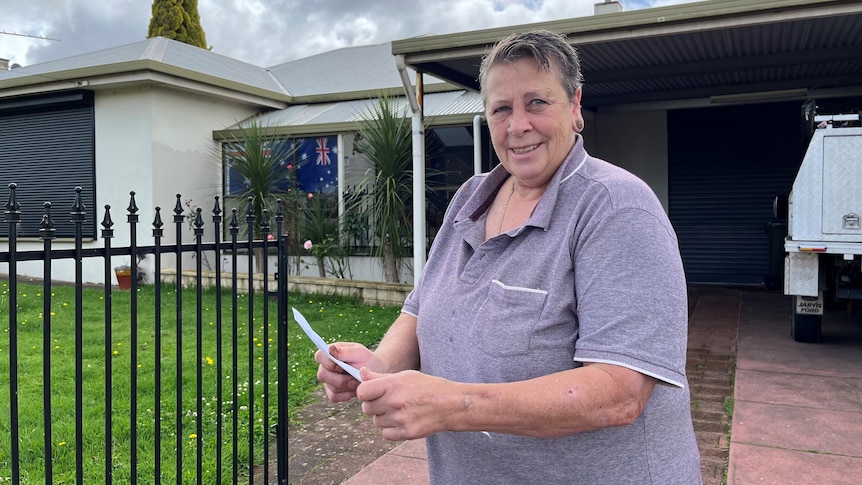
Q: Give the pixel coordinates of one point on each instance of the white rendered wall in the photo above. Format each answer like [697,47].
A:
[365,268]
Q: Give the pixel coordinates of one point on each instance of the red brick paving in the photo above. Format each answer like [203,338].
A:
[711,360]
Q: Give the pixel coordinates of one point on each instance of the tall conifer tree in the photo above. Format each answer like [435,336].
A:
[177,20]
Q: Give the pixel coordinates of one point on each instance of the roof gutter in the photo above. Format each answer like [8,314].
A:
[418,170]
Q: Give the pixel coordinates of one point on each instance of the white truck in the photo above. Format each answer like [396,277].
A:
[824,229]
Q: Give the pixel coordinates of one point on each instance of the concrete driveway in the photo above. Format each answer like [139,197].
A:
[798,407]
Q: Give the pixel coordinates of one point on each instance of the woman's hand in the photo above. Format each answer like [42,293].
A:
[339,385]
[406,405]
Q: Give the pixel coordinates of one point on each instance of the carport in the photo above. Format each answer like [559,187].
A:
[710,99]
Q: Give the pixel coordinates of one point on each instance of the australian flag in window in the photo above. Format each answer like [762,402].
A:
[285,151]
[318,169]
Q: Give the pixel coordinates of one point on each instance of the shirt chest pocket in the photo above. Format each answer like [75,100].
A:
[507,318]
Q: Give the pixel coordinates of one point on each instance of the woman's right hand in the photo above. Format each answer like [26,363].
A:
[338,384]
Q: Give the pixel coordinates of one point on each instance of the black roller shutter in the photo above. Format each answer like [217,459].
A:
[47,148]
[725,167]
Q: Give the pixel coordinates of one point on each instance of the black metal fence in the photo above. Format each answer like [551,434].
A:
[149,412]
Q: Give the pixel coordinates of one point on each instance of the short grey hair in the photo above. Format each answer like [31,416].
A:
[544,47]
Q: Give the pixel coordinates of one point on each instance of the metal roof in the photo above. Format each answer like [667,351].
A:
[445,108]
[314,79]
[157,55]
[700,53]
[371,69]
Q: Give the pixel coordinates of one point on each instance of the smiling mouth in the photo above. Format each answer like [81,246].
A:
[522,150]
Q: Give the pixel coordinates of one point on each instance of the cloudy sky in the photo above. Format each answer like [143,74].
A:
[267,32]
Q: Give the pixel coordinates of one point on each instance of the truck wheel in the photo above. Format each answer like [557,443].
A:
[805,328]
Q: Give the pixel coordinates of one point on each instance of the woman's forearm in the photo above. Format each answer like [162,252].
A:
[399,348]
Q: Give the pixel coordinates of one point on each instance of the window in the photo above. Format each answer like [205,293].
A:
[47,147]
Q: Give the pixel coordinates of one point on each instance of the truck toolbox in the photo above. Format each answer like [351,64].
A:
[824,235]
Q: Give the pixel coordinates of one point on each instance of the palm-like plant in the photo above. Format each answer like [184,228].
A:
[385,140]
[261,160]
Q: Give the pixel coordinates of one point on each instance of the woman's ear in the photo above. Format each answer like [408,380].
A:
[577,116]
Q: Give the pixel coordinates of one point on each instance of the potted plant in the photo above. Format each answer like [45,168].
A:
[124,276]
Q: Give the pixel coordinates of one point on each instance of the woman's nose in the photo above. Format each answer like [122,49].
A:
[518,124]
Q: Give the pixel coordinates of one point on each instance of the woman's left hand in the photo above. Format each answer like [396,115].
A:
[406,405]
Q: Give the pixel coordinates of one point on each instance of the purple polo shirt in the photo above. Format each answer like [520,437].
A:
[593,275]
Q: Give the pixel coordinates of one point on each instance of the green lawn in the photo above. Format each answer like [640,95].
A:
[251,342]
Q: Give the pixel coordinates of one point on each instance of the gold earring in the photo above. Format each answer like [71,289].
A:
[579,124]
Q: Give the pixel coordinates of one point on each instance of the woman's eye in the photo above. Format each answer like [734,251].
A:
[537,102]
[501,109]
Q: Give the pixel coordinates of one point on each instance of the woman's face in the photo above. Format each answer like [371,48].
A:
[531,119]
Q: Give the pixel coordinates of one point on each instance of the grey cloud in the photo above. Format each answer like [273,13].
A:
[269,32]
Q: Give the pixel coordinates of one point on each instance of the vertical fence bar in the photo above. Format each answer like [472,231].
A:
[199,347]
[107,235]
[178,221]
[281,425]
[13,217]
[132,219]
[219,344]
[234,247]
[158,232]
[47,231]
[249,219]
[264,231]
[78,221]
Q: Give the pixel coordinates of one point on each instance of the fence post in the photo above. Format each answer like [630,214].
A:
[234,247]
[13,217]
[217,219]
[199,344]
[47,231]
[132,219]
[158,233]
[264,232]
[281,426]
[78,216]
[249,219]
[178,222]
[107,235]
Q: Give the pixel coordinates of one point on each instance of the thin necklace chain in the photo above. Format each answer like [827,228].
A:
[505,208]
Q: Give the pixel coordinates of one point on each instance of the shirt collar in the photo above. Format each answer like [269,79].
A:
[483,196]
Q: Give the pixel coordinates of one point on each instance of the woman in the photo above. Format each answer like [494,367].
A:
[550,321]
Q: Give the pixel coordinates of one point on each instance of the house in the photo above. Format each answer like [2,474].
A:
[705,101]
[151,117]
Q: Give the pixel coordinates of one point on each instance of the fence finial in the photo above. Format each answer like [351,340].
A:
[78,207]
[157,223]
[12,206]
[264,224]
[249,213]
[107,223]
[217,210]
[47,224]
[234,223]
[279,210]
[178,210]
[133,207]
[199,222]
